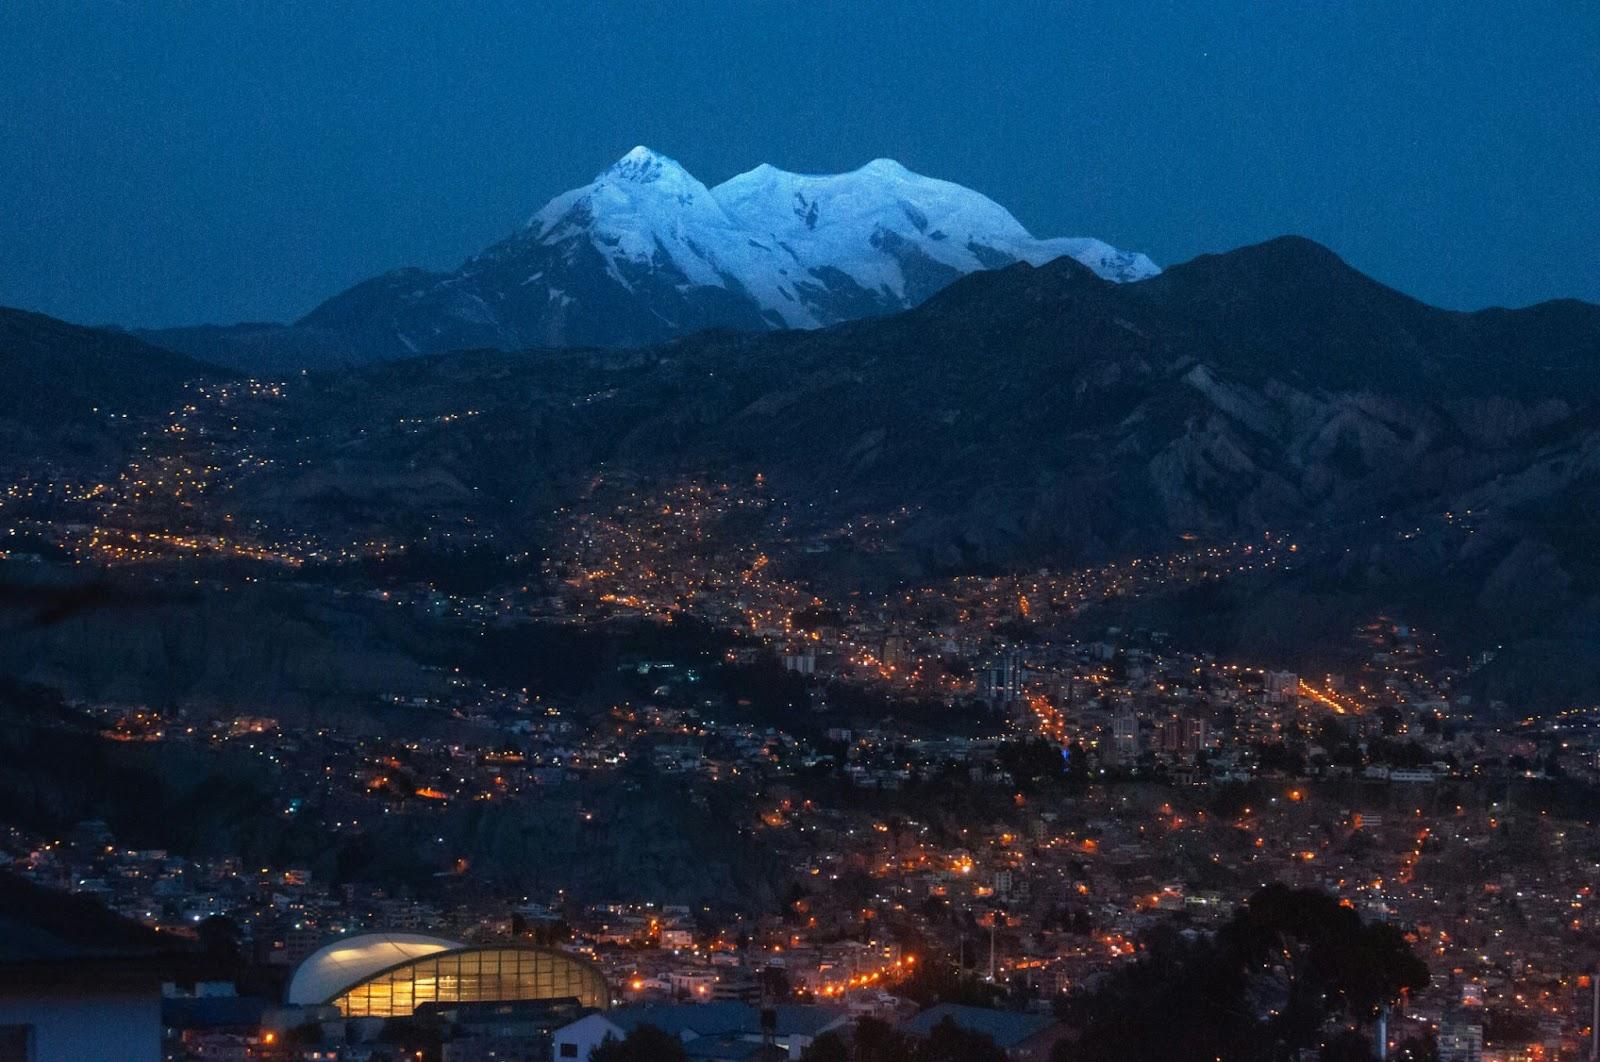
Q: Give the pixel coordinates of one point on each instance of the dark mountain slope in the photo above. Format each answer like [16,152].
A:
[64,384]
[257,348]
[54,370]
[1436,461]
[1045,412]
[1035,415]
[1291,309]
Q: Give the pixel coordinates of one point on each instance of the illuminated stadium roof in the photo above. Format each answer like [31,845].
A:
[389,975]
[328,971]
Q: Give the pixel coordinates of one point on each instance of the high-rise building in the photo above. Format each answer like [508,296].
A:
[1461,1036]
[1282,686]
[894,651]
[1183,736]
[1169,735]
[1125,736]
[1001,680]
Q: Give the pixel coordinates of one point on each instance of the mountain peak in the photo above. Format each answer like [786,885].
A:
[643,166]
[646,252]
[1278,264]
[886,168]
[1291,247]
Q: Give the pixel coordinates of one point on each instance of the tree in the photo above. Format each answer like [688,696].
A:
[939,982]
[829,1047]
[644,1044]
[775,984]
[548,932]
[1347,1045]
[1033,763]
[877,1041]
[219,939]
[949,1042]
[1290,964]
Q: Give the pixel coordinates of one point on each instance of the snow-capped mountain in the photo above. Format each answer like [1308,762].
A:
[646,252]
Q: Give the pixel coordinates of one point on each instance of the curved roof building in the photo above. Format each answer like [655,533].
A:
[388,975]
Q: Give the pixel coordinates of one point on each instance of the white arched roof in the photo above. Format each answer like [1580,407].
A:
[330,970]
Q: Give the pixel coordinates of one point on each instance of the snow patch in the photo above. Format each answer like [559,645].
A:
[775,234]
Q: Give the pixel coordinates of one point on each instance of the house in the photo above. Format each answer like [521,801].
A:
[578,1039]
[79,983]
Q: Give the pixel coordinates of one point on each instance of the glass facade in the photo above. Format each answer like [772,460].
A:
[475,975]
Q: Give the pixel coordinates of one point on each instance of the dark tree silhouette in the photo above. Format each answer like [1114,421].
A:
[1292,971]
[877,1041]
[644,1044]
[949,1042]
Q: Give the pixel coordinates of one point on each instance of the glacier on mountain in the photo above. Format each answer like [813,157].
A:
[645,252]
[778,235]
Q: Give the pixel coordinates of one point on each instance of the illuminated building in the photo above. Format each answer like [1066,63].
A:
[1001,680]
[1125,736]
[389,975]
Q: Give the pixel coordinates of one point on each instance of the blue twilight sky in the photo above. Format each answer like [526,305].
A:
[166,162]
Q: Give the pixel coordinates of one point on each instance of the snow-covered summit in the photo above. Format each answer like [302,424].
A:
[791,240]
[644,204]
[643,166]
[645,251]
[869,222]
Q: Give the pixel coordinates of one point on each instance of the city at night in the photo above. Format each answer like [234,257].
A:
[730,531]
